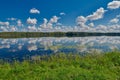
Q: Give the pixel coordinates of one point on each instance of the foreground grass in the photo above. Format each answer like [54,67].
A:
[64,67]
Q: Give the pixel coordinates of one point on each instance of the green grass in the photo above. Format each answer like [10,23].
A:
[64,67]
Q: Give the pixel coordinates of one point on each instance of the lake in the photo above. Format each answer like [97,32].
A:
[19,48]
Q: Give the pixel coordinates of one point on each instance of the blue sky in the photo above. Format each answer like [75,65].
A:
[20,9]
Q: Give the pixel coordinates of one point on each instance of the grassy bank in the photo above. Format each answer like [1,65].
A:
[64,67]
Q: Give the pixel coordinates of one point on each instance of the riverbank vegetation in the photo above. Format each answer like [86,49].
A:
[64,67]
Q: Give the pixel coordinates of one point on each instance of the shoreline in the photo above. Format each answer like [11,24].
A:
[54,34]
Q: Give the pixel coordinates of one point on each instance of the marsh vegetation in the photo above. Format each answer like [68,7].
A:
[64,67]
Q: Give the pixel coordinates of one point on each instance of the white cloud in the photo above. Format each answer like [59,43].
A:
[117,16]
[45,21]
[114,28]
[4,23]
[46,24]
[82,26]
[91,24]
[12,19]
[3,29]
[13,29]
[114,5]
[62,13]
[101,28]
[49,24]
[32,28]
[54,19]
[19,23]
[97,15]
[34,11]
[81,20]
[115,20]
[32,21]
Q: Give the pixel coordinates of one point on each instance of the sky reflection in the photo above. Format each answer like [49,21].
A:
[48,45]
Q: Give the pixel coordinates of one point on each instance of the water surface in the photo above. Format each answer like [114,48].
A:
[20,47]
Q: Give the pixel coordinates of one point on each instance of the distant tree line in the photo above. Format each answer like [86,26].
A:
[53,34]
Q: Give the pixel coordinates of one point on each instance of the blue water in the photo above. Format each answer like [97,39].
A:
[21,47]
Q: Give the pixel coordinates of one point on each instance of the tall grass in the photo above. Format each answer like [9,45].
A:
[64,67]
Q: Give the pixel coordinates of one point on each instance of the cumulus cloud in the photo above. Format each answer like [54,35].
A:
[32,28]
[114,5]
[19,23]
[44,25]
[81,20]
[32,21]
[8,29]
[34,11]
[54,19]
[84,25]
[97,15]
[4,23]
[48,24]
[115,20]
[101,28]
[91,24]
[13,29]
